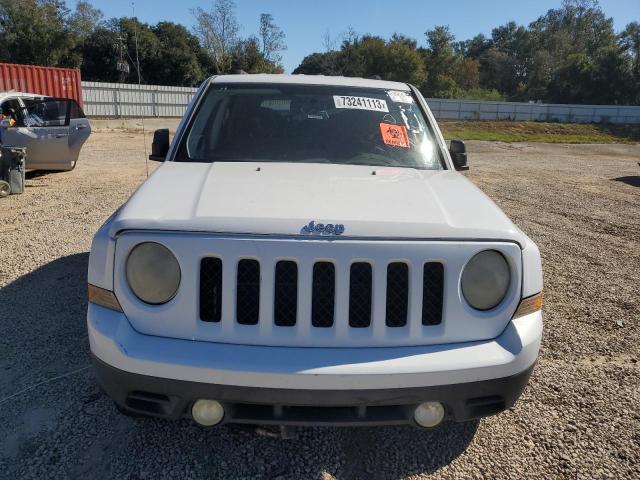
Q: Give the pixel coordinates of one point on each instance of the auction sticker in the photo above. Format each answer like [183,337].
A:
[399,96]
[360,103]
[394,135]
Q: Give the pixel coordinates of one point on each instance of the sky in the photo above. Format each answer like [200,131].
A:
[305,23]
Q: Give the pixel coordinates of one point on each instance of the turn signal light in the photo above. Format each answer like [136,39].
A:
[104,298]
[529,305]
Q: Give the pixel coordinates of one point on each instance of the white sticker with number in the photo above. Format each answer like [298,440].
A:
[360,103]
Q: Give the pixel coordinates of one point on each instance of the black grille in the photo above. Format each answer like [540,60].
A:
[323,302]
[432,291]
[211,289]
[397,294]
[323,294]
[248,292]
[285,294]
[360,295]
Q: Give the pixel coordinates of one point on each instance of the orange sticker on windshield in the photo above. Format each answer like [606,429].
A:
[394,135]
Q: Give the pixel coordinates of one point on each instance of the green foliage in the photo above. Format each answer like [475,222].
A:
[46,32]
[511,131]
[440,60]
[369,56]
[319,64]
[84,20]
[177,61]
[249,58]
[568,55]
[479,93]
[99,57]
[34,32]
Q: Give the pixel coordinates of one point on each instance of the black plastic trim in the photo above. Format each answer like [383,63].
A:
[172,399]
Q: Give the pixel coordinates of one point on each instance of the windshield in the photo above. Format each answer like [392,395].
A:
[309,123]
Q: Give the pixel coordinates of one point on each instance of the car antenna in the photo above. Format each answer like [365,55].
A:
[135,35]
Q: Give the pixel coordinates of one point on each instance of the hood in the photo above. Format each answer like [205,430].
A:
[281,198]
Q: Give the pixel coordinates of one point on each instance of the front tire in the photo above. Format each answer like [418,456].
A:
[5,189]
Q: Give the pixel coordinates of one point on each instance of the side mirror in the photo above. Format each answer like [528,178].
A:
[160,145]
[458,153]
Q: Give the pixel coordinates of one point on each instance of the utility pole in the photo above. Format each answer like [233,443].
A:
[122,65]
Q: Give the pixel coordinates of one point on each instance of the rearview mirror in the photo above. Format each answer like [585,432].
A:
[458,152]
[160,145]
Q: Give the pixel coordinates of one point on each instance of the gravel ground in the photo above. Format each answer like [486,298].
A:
[578,418]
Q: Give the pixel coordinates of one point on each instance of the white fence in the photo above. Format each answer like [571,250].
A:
[115,100]
[538,112]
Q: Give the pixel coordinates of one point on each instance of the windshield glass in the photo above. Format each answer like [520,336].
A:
[309,123]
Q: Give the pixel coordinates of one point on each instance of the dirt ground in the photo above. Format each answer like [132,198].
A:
[578,418]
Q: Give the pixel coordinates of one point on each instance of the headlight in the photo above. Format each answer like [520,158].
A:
[485,280]
[153,273]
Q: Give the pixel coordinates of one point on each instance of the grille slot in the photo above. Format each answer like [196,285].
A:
[397,294]
[248,292]
[210,289]
[432,291]
[323,294]
[285,305]
[360,295]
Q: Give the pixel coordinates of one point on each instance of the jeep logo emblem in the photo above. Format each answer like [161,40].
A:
[314,228]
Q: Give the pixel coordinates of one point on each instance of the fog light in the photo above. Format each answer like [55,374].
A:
[207,412]
[429,414]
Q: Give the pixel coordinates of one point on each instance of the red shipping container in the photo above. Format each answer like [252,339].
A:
[50,81]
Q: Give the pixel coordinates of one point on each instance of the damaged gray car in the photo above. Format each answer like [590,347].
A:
[53,130]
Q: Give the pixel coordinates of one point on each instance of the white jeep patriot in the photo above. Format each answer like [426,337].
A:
[308,254]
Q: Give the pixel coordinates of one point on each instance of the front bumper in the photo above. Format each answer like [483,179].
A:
[300,386]
[173,399]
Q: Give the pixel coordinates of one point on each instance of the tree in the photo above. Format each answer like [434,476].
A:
[500,71]
[467,73]
[217,30]
[272,39]
[328,41]
[630,43]
[402,61]
[362,57]
[325,63]
[440,62]
[573,81]
[248,57]
[630,40]
[34,32]
[141,43]
[85,20]
[506,63]
[100,57]
[474,47]
[179,59]
[369,56]
[169,54]
[578,28]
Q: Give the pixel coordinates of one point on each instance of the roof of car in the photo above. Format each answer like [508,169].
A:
[310,80]
[14,94]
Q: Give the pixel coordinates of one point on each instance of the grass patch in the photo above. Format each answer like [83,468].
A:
[510,131]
